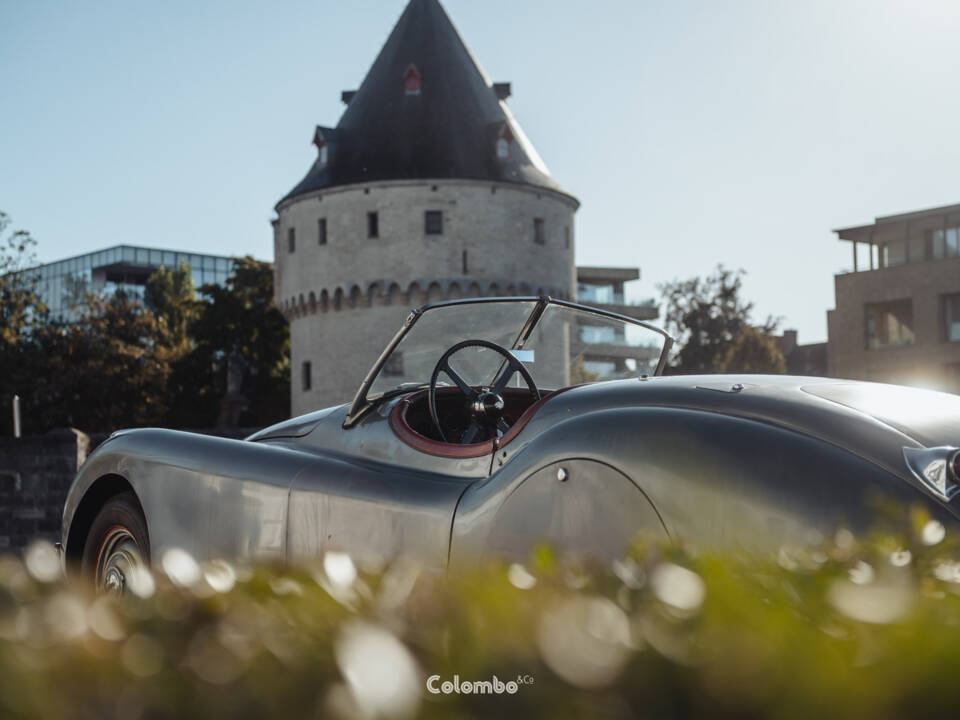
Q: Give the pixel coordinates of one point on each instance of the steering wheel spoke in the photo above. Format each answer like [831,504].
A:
[484,406]
[459,381]
[505,377]
[470,433]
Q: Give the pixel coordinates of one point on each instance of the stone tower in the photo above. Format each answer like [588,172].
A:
[426,190]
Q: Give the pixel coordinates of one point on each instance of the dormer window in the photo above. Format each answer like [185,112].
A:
[411,80]
[503,142]
[321,142]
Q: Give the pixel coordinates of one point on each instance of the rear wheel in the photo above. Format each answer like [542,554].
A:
[117,544]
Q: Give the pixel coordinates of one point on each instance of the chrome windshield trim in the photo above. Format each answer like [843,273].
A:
[361,403]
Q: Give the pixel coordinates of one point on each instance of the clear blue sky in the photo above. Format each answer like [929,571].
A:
[693,132]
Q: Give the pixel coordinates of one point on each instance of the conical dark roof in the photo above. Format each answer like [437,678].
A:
[449,129]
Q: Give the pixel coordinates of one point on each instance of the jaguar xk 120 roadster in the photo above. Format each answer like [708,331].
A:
[490,425]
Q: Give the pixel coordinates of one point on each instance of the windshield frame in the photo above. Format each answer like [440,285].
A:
[362,404]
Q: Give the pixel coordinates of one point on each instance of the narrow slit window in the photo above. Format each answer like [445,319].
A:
[373,225]
[322,231]
[539,235]
[307,375]
[466,267]
[433,222]
[291,240]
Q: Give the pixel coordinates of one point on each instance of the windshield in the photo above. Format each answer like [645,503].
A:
[560,344]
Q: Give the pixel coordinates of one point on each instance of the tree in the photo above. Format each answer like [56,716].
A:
[20,313]
[242,316]
[169,295]
[121,362]
[106,370]
[707,317]
[753,352]
[19,303]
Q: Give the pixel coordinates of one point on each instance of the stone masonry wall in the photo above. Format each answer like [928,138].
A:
[346,298]
[35,474]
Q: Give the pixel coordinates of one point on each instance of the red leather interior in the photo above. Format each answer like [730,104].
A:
[401,427]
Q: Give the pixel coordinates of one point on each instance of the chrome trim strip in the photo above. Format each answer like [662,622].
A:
[931,466]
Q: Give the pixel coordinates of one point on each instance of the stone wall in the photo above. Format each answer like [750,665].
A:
[35,474]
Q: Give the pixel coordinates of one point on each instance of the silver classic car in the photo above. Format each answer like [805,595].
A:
[491,425]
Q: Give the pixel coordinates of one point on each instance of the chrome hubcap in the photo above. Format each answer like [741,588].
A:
[119,558]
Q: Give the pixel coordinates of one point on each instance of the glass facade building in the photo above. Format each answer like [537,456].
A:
[63,284]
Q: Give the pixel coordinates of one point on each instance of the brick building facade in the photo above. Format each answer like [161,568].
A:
[897,315]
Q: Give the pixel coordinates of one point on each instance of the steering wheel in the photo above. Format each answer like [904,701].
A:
[485,404]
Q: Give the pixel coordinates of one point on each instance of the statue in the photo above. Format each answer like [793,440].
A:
[234,403]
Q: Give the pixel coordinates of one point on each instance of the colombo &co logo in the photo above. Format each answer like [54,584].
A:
[493,686]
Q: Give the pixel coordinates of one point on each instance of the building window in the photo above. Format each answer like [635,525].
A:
[322,232]
[306,375]
[539,236]
[373,225]
[394,365]
[945,243]
[433,222]
[465,266]
[291,240]
[950,312]
[894,253]
[411,80]
[566,237]
[889,324]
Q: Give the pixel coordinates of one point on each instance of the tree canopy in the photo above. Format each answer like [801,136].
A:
[711,321]
[122,361]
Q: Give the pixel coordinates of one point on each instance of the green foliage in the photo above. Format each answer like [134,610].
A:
[753,352]
[20,313]
[241,316]
[106,370]
[844,628]
[126,363]
[707,316]
[169,295]
[580,374]
[19,305]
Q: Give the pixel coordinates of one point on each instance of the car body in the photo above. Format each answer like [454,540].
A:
[748,460]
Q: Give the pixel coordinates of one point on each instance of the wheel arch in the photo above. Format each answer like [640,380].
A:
[97,495]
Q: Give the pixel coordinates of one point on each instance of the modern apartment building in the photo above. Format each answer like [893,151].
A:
[63,284]
[897,316]
[604,347]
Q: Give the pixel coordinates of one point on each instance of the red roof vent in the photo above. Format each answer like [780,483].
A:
[411,80]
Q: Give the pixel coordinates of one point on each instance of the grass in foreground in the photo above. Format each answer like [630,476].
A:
[849,628]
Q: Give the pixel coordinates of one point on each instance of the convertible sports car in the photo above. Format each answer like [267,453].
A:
[490,425]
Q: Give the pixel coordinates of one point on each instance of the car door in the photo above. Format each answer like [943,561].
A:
[371,495]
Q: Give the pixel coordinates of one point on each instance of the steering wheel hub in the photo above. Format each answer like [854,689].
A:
[488,407]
